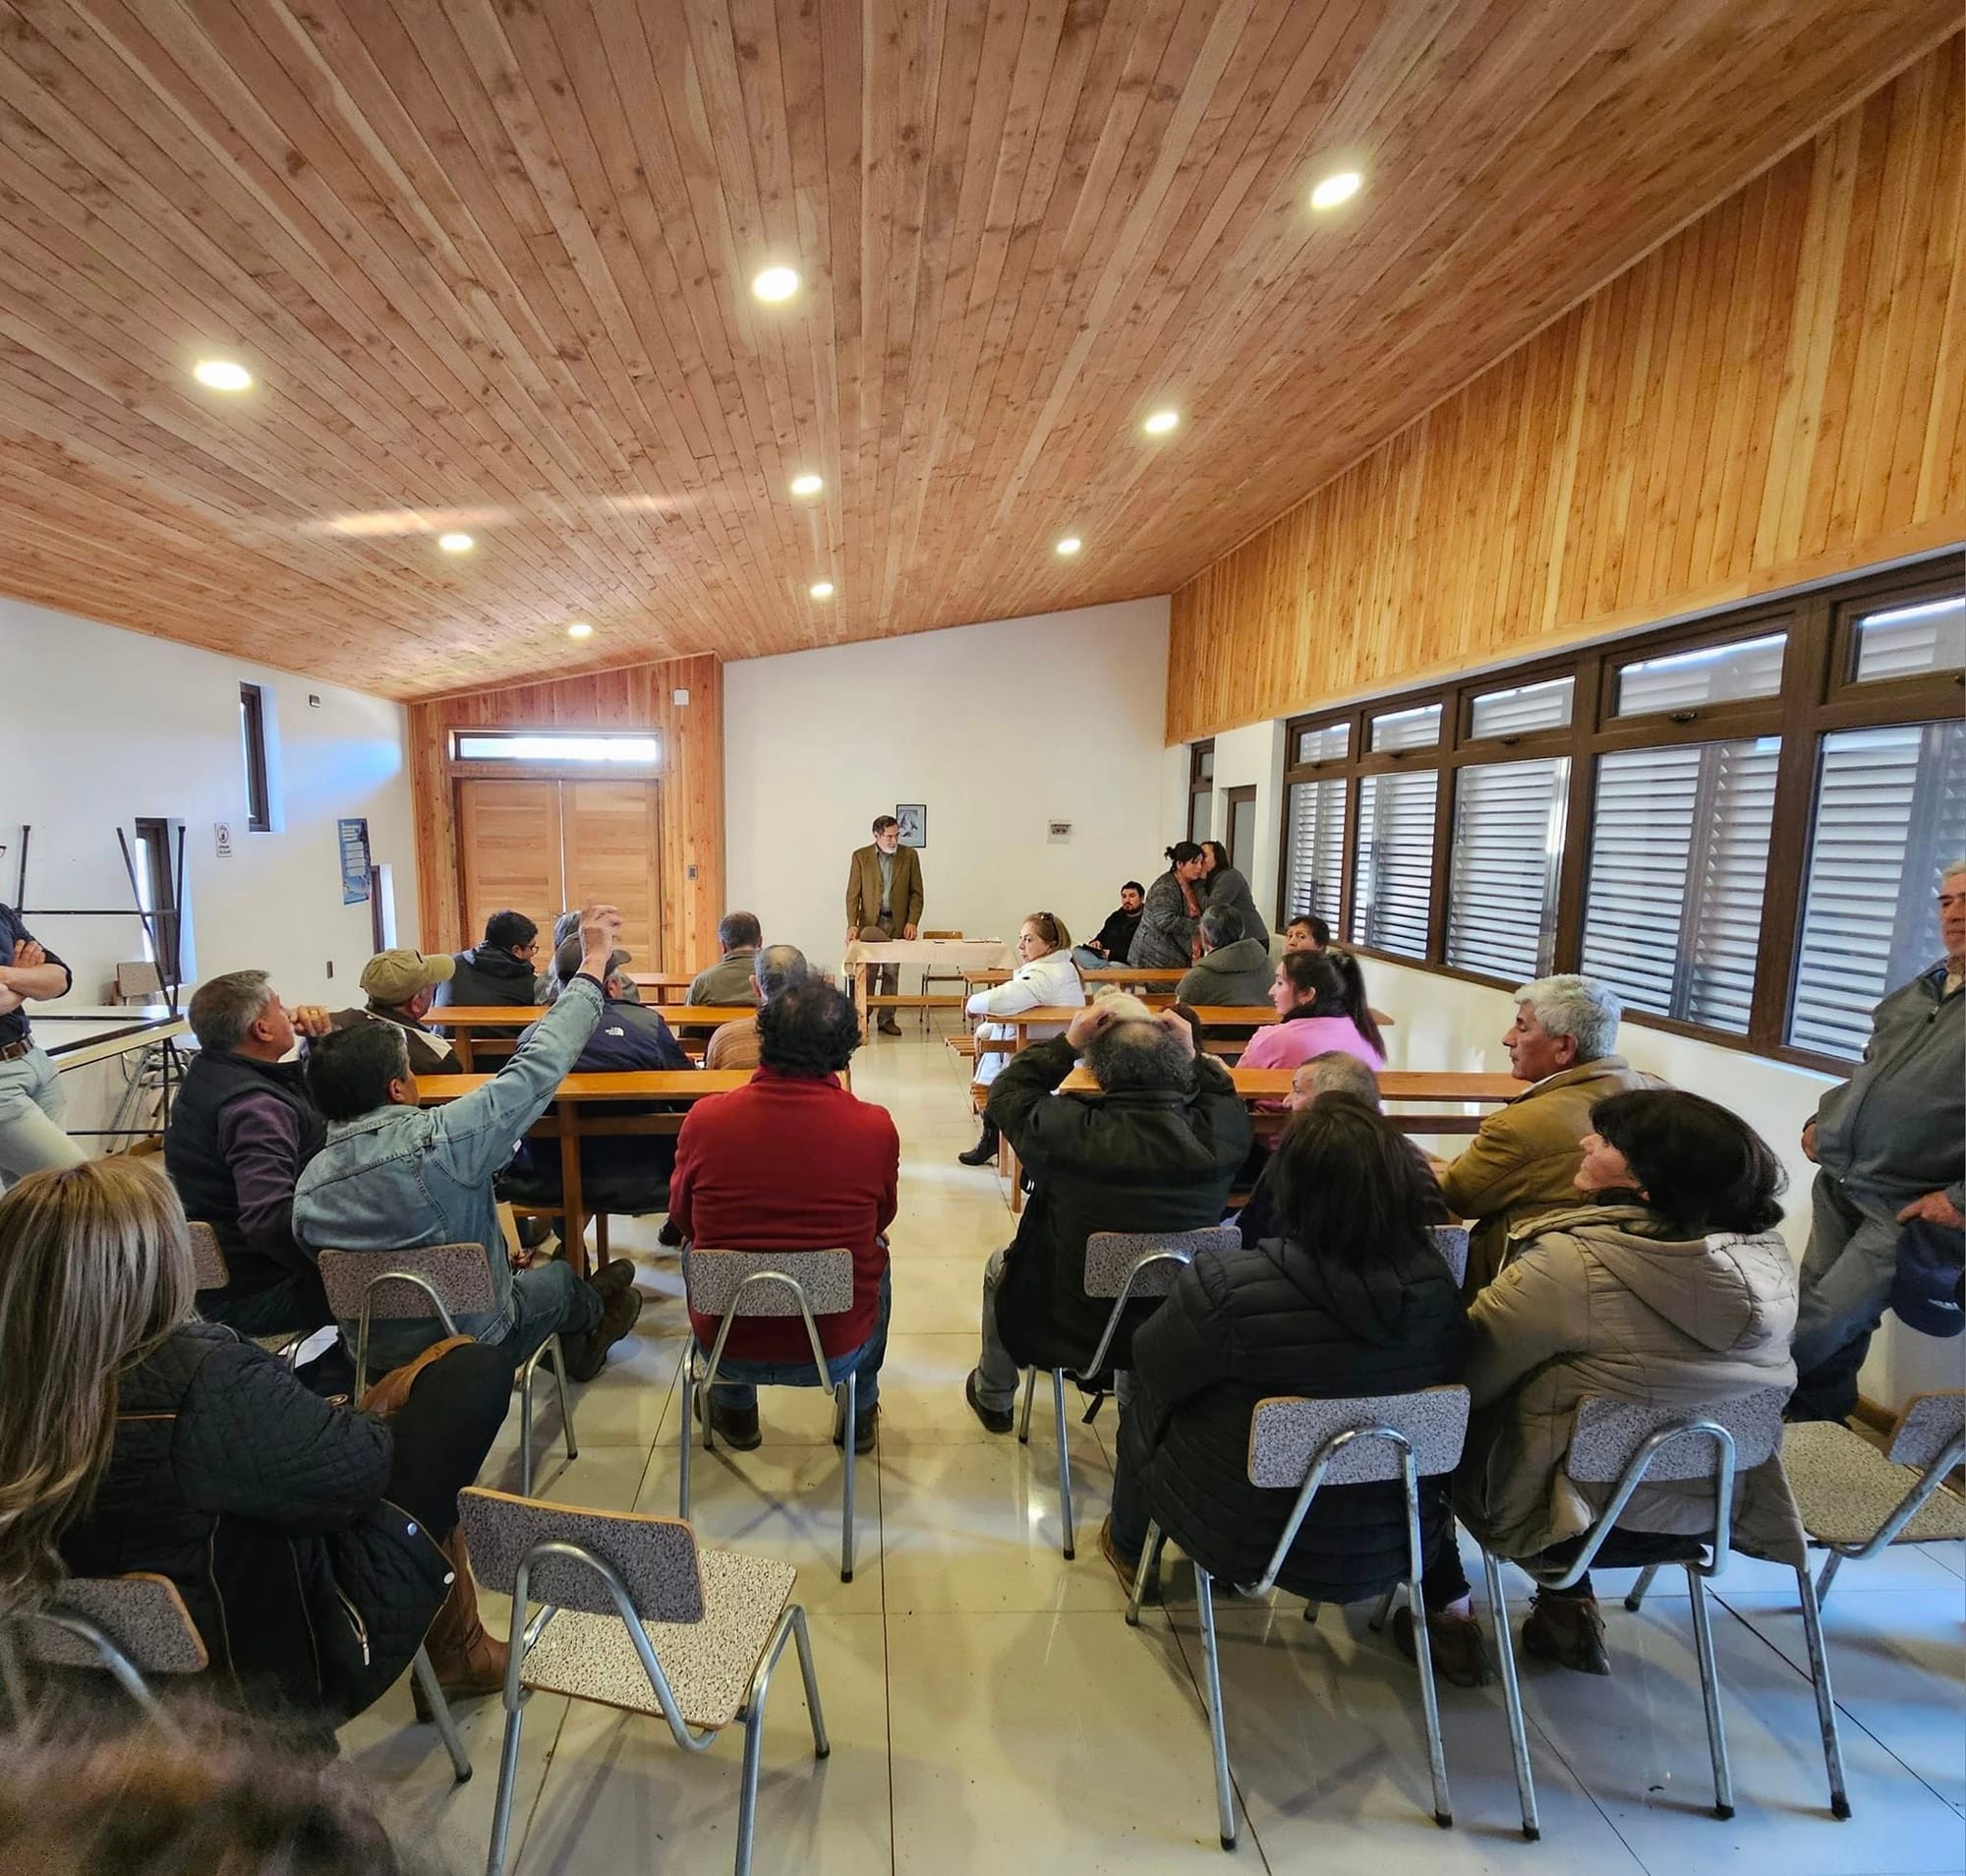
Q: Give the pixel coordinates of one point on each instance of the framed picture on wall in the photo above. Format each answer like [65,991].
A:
[913,817]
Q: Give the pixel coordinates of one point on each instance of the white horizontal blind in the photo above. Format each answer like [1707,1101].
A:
[1522,707]
[1714,674]
[1508,841]
[1906,641]
[1678,865]
[1890,810]
[1415,729]
[1317,865]
[1392,883]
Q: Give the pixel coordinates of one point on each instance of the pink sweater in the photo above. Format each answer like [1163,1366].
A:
[1289,1044]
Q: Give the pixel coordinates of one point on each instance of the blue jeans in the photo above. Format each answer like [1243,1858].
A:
[32,1105]
[737,1382]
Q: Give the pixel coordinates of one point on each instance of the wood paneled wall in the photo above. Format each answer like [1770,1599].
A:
[1772,397]
[635,697]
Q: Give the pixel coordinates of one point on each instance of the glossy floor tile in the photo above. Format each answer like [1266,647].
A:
[989,1710]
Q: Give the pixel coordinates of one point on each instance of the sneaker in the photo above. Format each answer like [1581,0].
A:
[615,1277]
[736,1427]
[1125,1571]
[587,1354]
[1568,1630]
[866,1423]
[1454,1644]
[996,1419]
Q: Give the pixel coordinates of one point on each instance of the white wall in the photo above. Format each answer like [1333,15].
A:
[100,726]
[1000,729]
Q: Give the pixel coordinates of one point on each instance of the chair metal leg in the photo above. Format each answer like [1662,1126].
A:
[688,1439]
[446,1726]
[1064,1461]
[791,1624]
[1211,1677]
[556,1354]
[1030,1389]
[822,1746]
[509,1763]
[1376,1623]
[1430,1698]
[852,1386]
[1710,1693]
[1150,1557]
[1512,1698]
[1831,1565]
[1637,1593]
[526,1431]
[1825,1701]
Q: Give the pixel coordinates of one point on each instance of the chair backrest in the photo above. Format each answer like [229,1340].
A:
[1451,1241]
[457,1272]
[1287,1433]
[714,1281]
[1111,1255]
[137,981]
[1608,1433]
[1928,1425]
[209,1268]
[143,1616]
[656,1558]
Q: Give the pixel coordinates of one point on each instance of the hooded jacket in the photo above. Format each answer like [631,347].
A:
[1237,974]
[487,978]
[1282,1320]
[1146,1161]
[1611,1300]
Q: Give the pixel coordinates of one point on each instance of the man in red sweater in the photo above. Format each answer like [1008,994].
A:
[793,1163]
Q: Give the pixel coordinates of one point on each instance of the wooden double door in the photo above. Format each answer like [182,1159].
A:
[541,846]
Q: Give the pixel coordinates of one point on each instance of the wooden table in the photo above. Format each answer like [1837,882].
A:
[570,1120]
[111,1030]
[1105,976]
[1212,1015]
[462,1019]
[946,956]
[661,983]
[1429,1085]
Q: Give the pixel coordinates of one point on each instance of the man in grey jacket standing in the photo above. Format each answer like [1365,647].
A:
[1890,1147]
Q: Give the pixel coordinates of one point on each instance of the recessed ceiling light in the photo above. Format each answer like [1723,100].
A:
[1068,545]
[580,628]
[806,484]
[221,373]
[1161,421]
[454,543]
[821,589]
[1336,188]
[776,283]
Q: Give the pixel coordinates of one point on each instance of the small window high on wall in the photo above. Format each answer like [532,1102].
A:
[636,748]
[1736,822]
[252,738]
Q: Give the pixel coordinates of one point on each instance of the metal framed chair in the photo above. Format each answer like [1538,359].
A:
[1129,1266]
[1624,1445]
[1451,1241]
[1304,1445]
[445,1281]
[629,1612]
[931,976]
[211,1272]
[736,1283]
[137,1625]
[1856,1501]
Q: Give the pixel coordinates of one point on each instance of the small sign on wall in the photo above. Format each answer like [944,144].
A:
[221,838]
[1059,832]
[354,838]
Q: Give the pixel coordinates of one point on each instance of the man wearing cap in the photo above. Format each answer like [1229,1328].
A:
[401,987]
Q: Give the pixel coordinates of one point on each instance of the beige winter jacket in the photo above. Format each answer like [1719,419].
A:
[1605,1300]
[1523,1161]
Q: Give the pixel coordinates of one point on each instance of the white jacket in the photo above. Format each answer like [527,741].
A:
[1048,981]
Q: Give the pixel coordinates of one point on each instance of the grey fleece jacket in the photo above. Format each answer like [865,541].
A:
[1237,973]
[1896,1128]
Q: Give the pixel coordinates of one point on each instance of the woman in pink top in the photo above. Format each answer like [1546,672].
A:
[1321,1003]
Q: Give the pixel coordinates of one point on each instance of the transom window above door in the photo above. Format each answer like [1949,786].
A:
[587,747]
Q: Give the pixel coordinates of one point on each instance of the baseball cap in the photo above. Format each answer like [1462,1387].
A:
[391,978]
[566,960]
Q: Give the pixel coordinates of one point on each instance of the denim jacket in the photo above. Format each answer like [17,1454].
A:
[403,1177]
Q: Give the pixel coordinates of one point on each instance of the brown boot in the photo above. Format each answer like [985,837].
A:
[468,1661]
[1568,1630]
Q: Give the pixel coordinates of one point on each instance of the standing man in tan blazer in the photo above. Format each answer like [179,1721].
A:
[884,900]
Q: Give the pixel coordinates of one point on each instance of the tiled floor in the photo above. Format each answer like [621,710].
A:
[990,1711]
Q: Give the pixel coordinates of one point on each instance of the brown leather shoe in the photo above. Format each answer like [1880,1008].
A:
[1568,1630]
[888,1027]
[1454,1644]
[1124,1570]
[468,1660]
[587,1354]
[736,1427]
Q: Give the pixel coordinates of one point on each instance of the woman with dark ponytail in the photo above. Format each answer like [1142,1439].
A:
[1166,939]
[1312,997]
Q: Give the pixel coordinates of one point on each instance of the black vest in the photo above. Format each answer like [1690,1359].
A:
[192,1157]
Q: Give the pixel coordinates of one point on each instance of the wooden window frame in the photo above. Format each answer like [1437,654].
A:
[1819,695]
[1199,783]
[259,790]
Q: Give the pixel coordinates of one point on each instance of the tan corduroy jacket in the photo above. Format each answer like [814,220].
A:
[863,888]
[1607,1300]
[1523,1160]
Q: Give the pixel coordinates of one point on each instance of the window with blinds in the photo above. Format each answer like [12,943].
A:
[1508,844]
[1889,812]
[1314,870]
[1392,882]
[1678,864]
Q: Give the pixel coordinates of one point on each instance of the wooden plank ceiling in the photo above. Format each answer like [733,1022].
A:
[489,262]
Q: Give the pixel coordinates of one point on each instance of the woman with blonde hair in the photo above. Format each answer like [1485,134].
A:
[315,1546]
[1047,978]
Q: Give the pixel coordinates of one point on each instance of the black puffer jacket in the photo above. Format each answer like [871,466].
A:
[489,976]
[1106,1162]
[1277,1320]
[264,1505]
